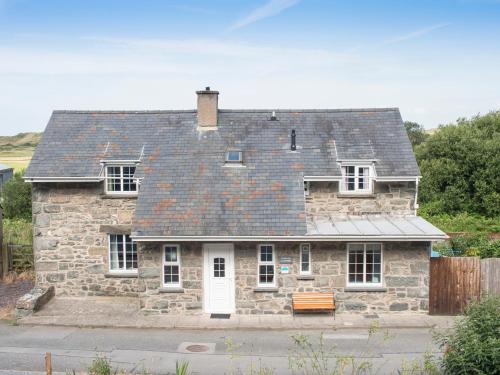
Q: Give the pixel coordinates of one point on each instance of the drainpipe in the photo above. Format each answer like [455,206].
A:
[416,195]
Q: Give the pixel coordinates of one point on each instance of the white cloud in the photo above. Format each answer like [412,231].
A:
[414,34]
[271,8]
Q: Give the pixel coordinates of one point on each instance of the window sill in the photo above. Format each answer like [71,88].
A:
[118,196]
[365,289]
[123,275]
[263,289]
[355,195]
[171,290]
[305,277]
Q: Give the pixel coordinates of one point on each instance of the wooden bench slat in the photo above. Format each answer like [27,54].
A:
[313,301]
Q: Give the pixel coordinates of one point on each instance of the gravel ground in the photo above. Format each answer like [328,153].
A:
[11,292]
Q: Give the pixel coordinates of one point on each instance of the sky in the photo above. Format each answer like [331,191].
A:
[435,60]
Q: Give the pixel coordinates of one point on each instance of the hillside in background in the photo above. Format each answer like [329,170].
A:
[16,150]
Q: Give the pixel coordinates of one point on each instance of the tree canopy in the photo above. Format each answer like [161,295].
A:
[460,167]
[416,133]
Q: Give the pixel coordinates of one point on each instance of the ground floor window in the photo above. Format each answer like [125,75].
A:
[122,253]
[266,265]
[364,264]
[171,266]
[305,259]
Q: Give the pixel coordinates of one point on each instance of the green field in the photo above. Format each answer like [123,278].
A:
[16,151]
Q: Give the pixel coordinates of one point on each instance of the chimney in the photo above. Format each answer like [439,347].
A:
[207,107]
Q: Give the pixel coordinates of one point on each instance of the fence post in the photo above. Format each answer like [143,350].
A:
[48,363]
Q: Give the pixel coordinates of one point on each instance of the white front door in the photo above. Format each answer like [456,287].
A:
[218,277]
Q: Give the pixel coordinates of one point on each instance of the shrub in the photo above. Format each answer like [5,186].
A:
[16,198]
[473,345]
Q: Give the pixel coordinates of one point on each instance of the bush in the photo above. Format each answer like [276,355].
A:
[470,245]
[462,222]
[16,198]
[473,345]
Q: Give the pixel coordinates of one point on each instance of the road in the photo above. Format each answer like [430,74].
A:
[22,348]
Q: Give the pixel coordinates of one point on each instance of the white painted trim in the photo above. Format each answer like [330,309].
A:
[120,161]
[365,284]
[178,263]
[121,178]
[322,178]
[376,178]
[273,263]
[63,179]
[287,238]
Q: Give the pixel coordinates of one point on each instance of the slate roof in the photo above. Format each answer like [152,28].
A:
[187,190]
[5,167]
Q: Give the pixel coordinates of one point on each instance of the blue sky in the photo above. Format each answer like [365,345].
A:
[435,60]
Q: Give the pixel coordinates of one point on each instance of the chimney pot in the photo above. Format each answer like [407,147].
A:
[207,108]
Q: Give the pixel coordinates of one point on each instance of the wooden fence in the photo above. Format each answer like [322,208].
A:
[455,281]
[490,276]
[16,257]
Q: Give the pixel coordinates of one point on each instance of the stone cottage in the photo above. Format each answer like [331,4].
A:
[231,211]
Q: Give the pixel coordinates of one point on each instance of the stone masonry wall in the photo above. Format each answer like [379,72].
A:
[394,198]
[405,265]
[155,299]
[406,278]
[70,242]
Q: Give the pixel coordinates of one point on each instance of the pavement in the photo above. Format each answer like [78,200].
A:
[119,312]
[227,351]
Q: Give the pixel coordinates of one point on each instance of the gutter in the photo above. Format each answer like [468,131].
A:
[319,238]
[375,178]
[63,179]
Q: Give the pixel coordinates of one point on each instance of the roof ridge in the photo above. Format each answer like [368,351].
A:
[284,110]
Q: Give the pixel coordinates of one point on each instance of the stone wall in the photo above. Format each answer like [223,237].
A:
[156,299]
[394,198]
[406,279]
[70,244]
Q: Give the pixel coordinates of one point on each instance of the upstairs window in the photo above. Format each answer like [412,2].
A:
[120,179]
[356,179]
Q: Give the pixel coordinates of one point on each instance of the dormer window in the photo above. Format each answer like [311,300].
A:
[120,180]
[356,179]
[234,157]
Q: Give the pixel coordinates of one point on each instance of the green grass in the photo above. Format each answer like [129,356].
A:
[16,151]
[17,231]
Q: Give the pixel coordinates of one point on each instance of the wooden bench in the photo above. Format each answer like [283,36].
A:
[310,301]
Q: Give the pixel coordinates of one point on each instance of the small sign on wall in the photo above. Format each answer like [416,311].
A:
[285,259]
[285,269]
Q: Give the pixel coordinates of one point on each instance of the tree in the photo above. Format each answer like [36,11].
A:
[16,198]
[416,133]
[460,167]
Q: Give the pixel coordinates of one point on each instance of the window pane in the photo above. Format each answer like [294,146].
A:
[170,254]
[219,267]
[171,274]
[266,254]
[233,156]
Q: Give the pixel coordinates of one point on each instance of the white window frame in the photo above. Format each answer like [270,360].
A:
[124,269]
[121,178]
[364,284]
[176,263]
[357,190]
[301,271]
[266,263]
